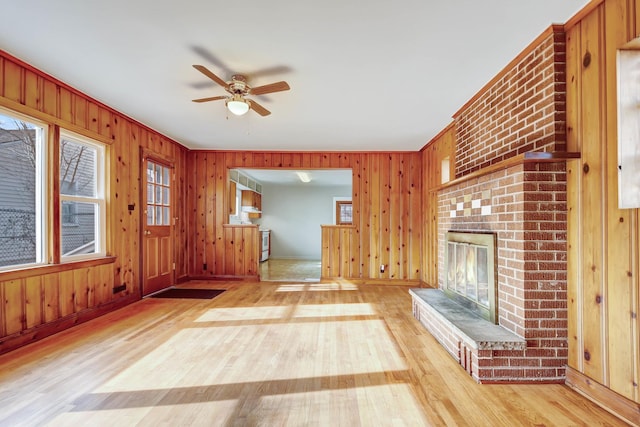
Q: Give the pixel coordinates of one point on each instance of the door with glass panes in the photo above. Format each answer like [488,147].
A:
[157,232]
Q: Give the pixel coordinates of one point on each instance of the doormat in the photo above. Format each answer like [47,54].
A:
[189,293]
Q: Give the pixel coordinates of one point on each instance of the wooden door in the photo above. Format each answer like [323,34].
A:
[157,230]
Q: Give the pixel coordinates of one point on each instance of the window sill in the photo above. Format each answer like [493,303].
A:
[40,270]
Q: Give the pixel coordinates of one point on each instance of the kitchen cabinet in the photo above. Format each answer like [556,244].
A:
[252,203]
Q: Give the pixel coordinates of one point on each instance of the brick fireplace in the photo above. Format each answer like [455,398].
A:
[510,180]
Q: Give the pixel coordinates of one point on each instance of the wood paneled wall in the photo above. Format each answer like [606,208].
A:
[38,301]
[442,146]
[604,248]
[386,206]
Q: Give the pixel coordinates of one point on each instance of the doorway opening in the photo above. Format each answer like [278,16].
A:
[294,204]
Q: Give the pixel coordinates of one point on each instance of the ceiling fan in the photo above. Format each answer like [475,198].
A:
[238,89]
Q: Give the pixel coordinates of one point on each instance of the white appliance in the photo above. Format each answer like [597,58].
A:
[266,235]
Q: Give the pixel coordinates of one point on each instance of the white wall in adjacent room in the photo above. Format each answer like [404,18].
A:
[294,214]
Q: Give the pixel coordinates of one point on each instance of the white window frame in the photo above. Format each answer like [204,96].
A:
[41,173]
[99,200]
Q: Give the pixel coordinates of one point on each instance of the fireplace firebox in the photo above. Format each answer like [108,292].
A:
[470,272]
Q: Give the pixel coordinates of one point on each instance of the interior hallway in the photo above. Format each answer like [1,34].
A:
[290,270]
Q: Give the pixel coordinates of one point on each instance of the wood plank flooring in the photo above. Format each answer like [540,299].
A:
[267,354]
[287,270]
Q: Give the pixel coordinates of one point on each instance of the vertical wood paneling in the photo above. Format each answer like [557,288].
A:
[619,323]
[214,254]
[395,218]
[13,81]
[386,199]
[13,307]
[67,294]
[356,242]
[50,98]
[219,209]
[574,209]
[441,147]
[603,247]
[375,230]
[415,218]
[200,213]
[33,89]
[52,297]
[34,298]
[592,197]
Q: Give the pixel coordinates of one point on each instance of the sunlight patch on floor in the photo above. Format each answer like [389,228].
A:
[329,286]
[258,353]
[241,313]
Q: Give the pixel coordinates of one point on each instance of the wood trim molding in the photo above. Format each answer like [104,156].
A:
[49,119]
[531,157]
[435,138]
[619,406]
[40,270]
[582,13]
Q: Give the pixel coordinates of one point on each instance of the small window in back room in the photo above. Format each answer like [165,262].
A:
[344,212]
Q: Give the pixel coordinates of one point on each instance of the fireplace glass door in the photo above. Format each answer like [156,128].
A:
[469,272]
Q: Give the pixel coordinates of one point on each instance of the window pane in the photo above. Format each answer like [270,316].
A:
[77,169]
[149,172]
[165,196]
[165,216]
[80,238]
[150,193]
[166,176]
[20,218]
[158,177]
[150,212]
[158,195]
[158,215]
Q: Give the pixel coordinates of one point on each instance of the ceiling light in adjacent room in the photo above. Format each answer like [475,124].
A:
[304,177]
[237,105]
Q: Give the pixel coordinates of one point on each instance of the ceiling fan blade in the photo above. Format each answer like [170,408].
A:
[258,108]
[273,87]
[212,76]
[212,98]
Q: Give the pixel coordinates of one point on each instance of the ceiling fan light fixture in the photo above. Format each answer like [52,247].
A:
[237,105]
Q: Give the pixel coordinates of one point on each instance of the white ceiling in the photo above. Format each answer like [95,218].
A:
[364,74]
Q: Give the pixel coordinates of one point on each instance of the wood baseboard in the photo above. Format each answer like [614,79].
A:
[621,407]
[15,341]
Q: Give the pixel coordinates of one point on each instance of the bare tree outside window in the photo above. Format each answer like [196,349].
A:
[18,157]
[20,204]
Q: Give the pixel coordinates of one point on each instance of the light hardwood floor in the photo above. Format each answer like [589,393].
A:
[267,354]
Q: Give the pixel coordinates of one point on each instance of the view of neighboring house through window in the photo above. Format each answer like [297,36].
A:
[22,223]
[82,203]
